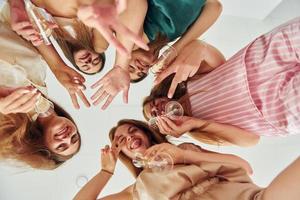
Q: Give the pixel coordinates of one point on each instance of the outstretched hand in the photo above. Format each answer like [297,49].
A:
[74,83]
[104,18]
[185,65]
[116,80]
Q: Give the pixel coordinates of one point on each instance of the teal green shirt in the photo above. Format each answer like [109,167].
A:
[171,17]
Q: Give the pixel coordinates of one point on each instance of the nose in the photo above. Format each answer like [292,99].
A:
[88,60]
[128,138]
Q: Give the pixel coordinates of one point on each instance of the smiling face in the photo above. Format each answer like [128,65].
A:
[156,107]
[87,61]
[61,136]
[137,70]
[136,141]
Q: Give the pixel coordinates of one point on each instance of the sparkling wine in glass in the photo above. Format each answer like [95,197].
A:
[38,17]
[161,63]
[160,162]
[173,109]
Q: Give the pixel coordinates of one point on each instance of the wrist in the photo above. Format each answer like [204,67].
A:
[107,172]
[201,124]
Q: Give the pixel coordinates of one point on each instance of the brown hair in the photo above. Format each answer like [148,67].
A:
[161,90]
[22,140]
[154,138]
[84,41]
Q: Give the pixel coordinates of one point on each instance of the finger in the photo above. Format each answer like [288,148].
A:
[125,95]
[108,35]
[194,71]
[101,98]
[164,125]
[29,105]
[21,25]
[14,96]
[170,123]
[37,42]
[17,104]
[52,25]
[99,83]
[98,93]
[173,86]
[28,32]
[135,38]
[108,101]
[79,77]
[85,12]
[83,98]
[74,100]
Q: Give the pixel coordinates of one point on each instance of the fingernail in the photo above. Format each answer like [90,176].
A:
[76,81]
[34,90]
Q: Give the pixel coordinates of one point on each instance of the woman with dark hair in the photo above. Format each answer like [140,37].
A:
[33,129]
[196,174]
[256,90]
[164,23]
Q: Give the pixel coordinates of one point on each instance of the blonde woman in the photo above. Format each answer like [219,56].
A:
[41,139]
[197,173]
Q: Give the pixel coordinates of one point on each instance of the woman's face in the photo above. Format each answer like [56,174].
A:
[61,136]
[137,69]
[88,61]
[156,108]
[136,141]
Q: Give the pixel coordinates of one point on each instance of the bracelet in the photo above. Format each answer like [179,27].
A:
[106,171]
[203,126]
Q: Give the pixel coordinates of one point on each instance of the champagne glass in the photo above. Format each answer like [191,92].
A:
[161,63]
[160,162]
[173,109]
[38,17]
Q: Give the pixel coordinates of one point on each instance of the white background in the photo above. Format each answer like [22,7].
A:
[241,21]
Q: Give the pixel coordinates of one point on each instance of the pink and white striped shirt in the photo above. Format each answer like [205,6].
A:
[258,89]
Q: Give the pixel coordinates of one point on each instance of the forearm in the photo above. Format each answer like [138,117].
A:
[193,157]
[133,18]
[93,188]
[228,133]
[207,18]
[51,56]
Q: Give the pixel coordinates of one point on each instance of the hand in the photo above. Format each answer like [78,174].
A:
[21,24]
[20,100]
[176,153]
[104,17]
[116,80]
[73,82]
[185,65]
[177,127]
[109,155]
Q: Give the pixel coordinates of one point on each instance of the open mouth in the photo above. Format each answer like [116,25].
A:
[136,143]
[63,132]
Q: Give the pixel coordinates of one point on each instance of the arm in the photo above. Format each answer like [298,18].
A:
[195,156]
[212,131]
[227,133]
[207,18]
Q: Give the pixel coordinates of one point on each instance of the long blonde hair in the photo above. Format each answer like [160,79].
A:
[22,140]
[154,138]
[69,44]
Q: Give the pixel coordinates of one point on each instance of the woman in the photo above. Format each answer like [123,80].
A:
[164,23]
[256,90]
[39,136]
[197,173]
